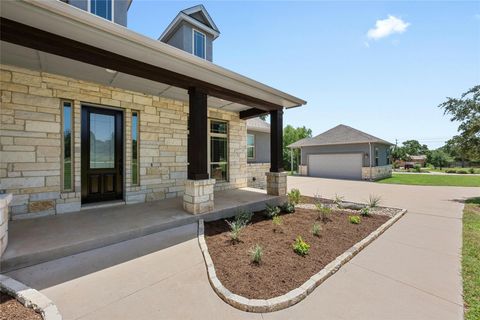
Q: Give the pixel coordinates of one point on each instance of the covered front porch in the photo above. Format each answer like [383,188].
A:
[78,61]
[33,241]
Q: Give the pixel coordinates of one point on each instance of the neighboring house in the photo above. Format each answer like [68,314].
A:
[345,153]
[412,161]
[258,152]
[94,112]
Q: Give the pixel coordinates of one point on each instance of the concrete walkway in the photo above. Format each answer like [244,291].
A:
[411,272]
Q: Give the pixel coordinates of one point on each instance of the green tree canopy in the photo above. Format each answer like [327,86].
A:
[439,159]
[466,110]
[291,135]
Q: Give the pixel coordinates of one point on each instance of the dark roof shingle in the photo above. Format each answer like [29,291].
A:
[340,134]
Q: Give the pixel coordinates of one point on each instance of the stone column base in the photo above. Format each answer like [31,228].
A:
[4,201]
[198,196]
[302,170]
[276,183]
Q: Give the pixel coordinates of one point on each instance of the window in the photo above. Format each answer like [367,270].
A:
[388,156]
[102,8]
[67,146]
[376,157]
[219,150]
[135,149]
[199,44]
[250,146]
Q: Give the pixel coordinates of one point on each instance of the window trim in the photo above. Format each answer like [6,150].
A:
[204,43]
[89,9]
[137,113]
[222,135]
[377,156]
[251,146]
[72,148]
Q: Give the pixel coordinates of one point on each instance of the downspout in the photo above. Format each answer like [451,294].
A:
[370,159]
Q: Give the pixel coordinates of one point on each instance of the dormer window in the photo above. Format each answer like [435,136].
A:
[199,44]
[102,8]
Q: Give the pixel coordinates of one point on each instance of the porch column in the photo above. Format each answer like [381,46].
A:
[198,196]
[276,178]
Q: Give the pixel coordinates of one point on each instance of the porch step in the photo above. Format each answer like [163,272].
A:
[44,239]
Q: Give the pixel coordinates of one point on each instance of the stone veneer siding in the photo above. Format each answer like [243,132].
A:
[31,141]
[256,175]
[379,172]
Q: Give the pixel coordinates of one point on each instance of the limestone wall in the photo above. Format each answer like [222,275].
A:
[256,175]
[31,141]
[379,172]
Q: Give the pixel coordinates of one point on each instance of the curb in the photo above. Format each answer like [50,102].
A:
[30,298]
[296,295]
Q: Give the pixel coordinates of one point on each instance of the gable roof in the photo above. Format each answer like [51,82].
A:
[257,124]
[340,134]
[196,16]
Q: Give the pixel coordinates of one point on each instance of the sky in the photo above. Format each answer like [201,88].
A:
[382,67]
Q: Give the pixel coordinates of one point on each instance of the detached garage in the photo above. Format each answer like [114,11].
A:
[344,153]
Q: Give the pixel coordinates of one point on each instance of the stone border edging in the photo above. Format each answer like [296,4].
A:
[30,298]
[296,295]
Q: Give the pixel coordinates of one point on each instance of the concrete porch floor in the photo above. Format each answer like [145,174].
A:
[34,241]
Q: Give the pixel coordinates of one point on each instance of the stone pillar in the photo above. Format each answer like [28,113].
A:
[198,196]
[276,183]
[4,201]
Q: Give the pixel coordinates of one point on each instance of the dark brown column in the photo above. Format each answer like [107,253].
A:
[197,135]
[276,141]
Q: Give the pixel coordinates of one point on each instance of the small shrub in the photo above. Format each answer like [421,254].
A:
[244,217]
[256,254]
[462,171]
[301,247]
[354,219]
[316,229]
[277,222]
[471,170]
[374,201]
[417,168]
[324,212]
[236,228]
[338,199]
[365,211]
[294,196]
[272,211]
[288,207]
[451,171]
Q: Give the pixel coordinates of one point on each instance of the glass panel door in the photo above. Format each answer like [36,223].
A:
[102,141]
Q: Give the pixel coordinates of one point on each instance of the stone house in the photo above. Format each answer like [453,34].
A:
[92,112]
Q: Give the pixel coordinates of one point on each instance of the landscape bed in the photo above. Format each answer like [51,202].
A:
[281,269]
[10,308]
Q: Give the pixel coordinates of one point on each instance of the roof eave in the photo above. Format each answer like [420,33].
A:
[65,20]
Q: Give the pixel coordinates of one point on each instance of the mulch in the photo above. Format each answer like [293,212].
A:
[281,269]
[11,309]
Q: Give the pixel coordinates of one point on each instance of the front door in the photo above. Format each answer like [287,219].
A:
[102,154]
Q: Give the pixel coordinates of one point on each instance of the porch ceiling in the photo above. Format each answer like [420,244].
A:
[32,59]
[57,32]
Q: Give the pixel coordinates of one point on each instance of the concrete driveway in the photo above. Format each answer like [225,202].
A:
[411,272]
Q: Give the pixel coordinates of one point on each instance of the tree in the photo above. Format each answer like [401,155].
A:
[291,135]
[263,117]
[413,148]
[466,110]
[439,159]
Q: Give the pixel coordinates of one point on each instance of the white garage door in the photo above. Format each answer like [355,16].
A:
[335,165]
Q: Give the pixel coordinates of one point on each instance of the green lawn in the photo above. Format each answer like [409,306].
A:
[433,180]
[471,259]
